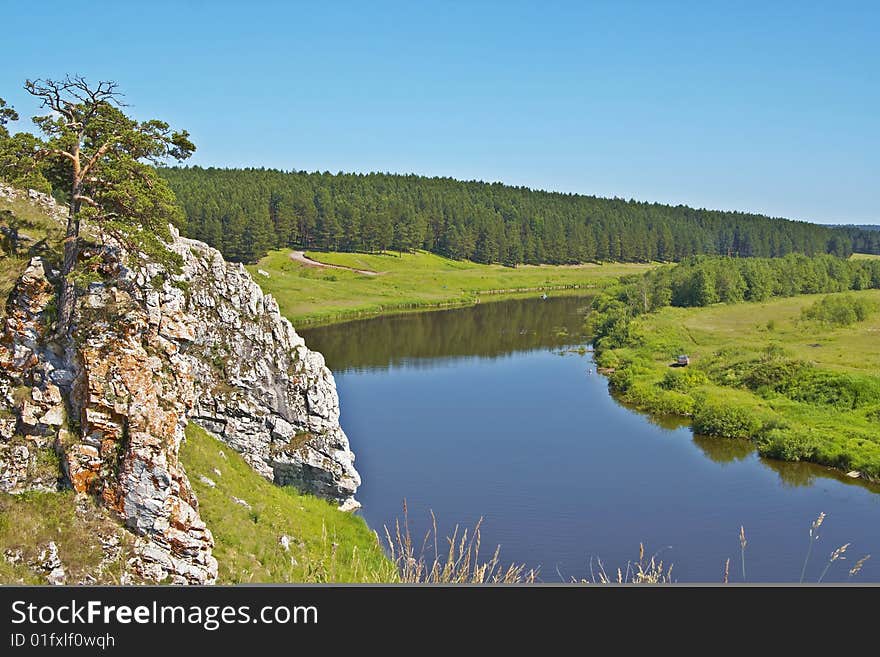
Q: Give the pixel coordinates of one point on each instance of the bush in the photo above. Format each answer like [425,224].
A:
[683,380]
[789,445]
[726,419]
[621,380]
[842,391]
[803,382]
[672,402]
[608,358]
[839,310]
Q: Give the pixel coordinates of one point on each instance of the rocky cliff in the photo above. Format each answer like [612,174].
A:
[151,350]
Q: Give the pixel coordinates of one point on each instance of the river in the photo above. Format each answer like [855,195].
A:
[491,411]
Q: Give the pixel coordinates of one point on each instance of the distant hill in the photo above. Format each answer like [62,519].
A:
[245,212]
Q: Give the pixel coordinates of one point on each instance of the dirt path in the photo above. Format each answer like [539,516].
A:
[302,258]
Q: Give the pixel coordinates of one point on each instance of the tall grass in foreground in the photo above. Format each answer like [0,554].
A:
[459,565]
[650,570]
[838,554]
[653,571]
[459,561]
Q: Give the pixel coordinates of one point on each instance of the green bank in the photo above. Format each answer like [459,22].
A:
[799,375]
[401,282]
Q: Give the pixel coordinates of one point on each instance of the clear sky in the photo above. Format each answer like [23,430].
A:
[764,106]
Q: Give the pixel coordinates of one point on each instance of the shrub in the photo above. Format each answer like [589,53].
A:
[683,379]
[774,374]
[839,310]
[672,402]
[789,444]
[803,382]
[607,358]
[621,380]
[727,419]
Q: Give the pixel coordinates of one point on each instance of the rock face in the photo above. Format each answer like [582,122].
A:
[127,392]
[32,410]
[150,351]
[258,387]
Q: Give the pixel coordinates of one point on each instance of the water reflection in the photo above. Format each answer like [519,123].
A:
[724,450]
[729,450]
[487,330]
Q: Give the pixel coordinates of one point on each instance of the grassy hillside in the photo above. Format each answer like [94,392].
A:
[39,233]
[421,280]
[30,521]
[800,390]
[325,545]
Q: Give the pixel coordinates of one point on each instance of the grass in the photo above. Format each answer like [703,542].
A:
[325,545]
[819,401]
[865,256]
[29,521]
[747,329]
[410,281]
[32,223]
[459,561]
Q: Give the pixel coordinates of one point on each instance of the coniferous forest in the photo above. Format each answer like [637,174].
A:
[246,212]
[865,239]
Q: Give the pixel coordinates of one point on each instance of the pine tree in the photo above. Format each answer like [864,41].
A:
[99,158]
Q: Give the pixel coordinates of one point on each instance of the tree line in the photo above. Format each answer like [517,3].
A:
[865,239]
[704,280]
[246,212]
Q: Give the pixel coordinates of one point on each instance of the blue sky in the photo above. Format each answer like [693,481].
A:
[769,107]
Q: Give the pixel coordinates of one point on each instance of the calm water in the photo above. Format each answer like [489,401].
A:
[478,412]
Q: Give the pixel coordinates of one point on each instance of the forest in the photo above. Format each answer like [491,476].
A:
[865,239]
[246,212]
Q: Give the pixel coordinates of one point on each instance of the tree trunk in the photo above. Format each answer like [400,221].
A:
[71,253]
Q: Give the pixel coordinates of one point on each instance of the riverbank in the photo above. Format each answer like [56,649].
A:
[798,390]
[312,296]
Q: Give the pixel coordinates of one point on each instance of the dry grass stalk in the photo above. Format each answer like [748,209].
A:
[459,565]
[835,555]
[814,536]
[644,571]
[858,567]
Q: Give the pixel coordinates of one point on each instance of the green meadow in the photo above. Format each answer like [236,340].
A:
[410,281]
[801,388]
